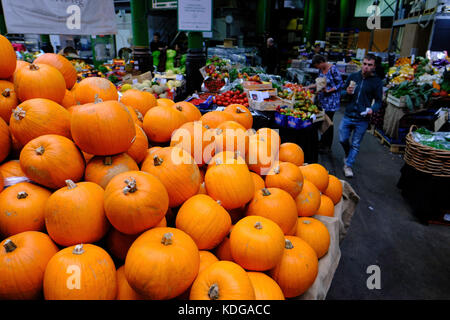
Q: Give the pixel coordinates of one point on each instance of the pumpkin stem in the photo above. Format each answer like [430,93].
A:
[167,239]
[277,170]
[78,249]
[306,221]
[9,246]
[179,108]
[6,93]
[288,244]
[265,192]
[40,151]
[157,161]
[213,292]
[237,154]
[34,67]
[107,161]
[22,195]
[207,127]
[219,202]
[70,184]
[19,113]
[139,115]
[239,110]
[258,225]
[131,186]
[219,131]
[97,99]
[218,161]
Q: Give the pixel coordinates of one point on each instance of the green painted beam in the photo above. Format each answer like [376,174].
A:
[344,13]
[312,9]
[305,31]
[262,11]
[322,18]
[195,40]
[139,23]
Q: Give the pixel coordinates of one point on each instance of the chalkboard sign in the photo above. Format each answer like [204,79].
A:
[439,41]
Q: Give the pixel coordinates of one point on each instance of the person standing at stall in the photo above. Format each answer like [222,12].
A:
[366,91]
[328,97]
[270,57]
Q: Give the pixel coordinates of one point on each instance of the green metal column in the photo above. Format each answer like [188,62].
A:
[322,18]
[344,13]
[311,19]
[195,40]
[263,10]
[2,21]
[305,32]
[139,23]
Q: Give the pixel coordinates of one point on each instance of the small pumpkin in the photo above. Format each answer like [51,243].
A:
[139,147]
[223,250]
[308,201]
[8,100]
[291,152]
[241,114]
[190,111]
[265,287]
[334,189]
[135,201]
[136,115]
[92,88]
[11,168]
[124,291]
[140,100]
[205,220]
[160,122]
[206,259]
[164,102]
[317,174]
[168,247]
[23,260]
[286,176]
[213,118]
[80,272]
[315,233]
[69,100]
[297,270]
[231,136]
[5,140]
[261,156]
[227,157]
[326,207]
[68,222]
[50,160]
[8,61]
[223,280]
[118,243]
[63,65]
[19,64]
[258,181]
[22,208]
[191,137]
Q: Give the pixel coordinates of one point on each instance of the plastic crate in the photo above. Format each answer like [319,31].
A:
[297,123]
[204,105]
[280,120]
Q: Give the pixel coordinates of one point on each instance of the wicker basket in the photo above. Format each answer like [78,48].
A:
[426,159]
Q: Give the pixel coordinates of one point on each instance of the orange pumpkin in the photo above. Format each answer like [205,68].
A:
[231,136]
[101,170]
[81,272]
[2,183]
[5,140]
[177,171]
[67,222]
[124,291]
[190,111]
[68,100]
[39,81]
[37,117]
[274,204]
[164,102]
[223,250]
[118,243]
[22,208]
[258,181]
[315,233]
[168,247]
[260,156]
[139,147]
[8,61]
[265,287]
[62,64]
[191,137]
[8,100]
[140,100]
[103,128]
[137,116]
[213,118]
[326,207]
[206,259]
[92,88]
[23,260]
[204,220]
[317,174]
[11,168]
[223,280]
[291,152]
[50,160]
[286,176]
[308,201]
[226,157]
[240,114]
[256,243]
[297,270]
[19,64]
[161,122]
[135,201]
[334,189]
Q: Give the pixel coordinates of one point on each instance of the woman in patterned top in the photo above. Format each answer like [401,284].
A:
[329,98]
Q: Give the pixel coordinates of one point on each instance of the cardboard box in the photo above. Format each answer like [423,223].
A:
[137,79]
[250,85]
[266,105]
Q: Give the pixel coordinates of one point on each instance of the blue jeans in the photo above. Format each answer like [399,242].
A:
[347,126]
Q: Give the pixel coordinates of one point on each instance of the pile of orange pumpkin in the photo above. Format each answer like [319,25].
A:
[117,204]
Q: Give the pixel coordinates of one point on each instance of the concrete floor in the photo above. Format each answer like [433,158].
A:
[414,259]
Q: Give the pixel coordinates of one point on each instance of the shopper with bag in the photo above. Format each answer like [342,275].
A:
[366,91]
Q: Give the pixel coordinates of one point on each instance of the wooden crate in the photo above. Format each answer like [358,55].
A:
[397,102]
[394,148]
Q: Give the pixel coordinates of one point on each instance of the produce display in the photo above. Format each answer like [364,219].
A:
[139,227]
[231,97]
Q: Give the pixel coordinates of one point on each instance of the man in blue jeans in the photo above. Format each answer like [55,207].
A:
[366,89]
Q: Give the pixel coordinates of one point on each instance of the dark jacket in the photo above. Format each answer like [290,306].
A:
[367,90]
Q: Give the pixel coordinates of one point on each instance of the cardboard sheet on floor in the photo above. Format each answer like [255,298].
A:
[337,227]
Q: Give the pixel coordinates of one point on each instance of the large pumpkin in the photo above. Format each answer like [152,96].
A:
[308,201]
[334,189]
[62,64]
[39,81]
[124,291]
[5,140]
[8,99]
[75,214]
[190,111]
[50,160]
[204,220]
[162,263]
[315,233]
[22,208]
[177,171]
[274,204]
[138,150]
[101,169]
[161,122]
[265,287]
[92,88]
[291,152]
[241,114]
[297,269]
[140,100]
[37,117]
[256,243]
[286,176]
[23,259]
[223,280]
[135,201]
[81,272]
[103,128]
[8,60]
[317,174]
